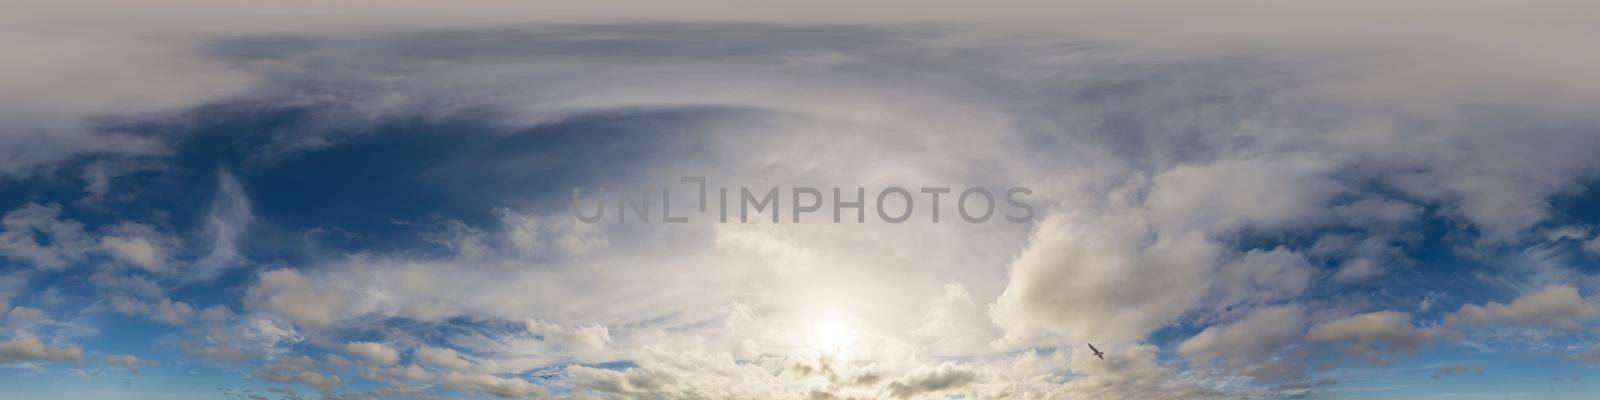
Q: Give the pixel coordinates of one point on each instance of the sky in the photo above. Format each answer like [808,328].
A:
[373,200]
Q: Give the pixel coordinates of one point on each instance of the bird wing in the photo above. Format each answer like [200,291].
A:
[1091,347]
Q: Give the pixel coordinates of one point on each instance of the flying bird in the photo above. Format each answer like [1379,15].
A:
[1097,352]
[547,377]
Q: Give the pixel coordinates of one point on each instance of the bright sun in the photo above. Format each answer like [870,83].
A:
[830,336]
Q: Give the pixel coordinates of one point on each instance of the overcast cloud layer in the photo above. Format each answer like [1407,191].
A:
[1232,201]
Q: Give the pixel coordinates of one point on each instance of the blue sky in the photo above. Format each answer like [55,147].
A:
[1232,203]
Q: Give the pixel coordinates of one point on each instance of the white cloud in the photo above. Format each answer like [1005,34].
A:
[1110,275]
[1291,191]
[301,370]
[954,324]
[587,342]
[139,245]
[69,79]
[11,284]
[1260,277]
[1376,337]
[373,353]
[535,236]
[919,383]
[226,222]
[65,240]
[1551,307]
[1107,278]
[510,388]
[20,314]
[1252,345]
[287,293]
[442,357]
[28,349]
[1357,269]
[135,295]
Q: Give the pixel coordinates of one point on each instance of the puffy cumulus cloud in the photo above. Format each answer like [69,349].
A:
[225,338]
[139,245]
[1376,337]
[1458,368]
[1254,345]
[39,235]
[1105,277]
[301,370]
[1128,373]
[289,294]
[441,357]
[510,388]
[64,240]
[373,353]
[130,362]
[24,315]
[28,349]
[1553,307]
[927,382]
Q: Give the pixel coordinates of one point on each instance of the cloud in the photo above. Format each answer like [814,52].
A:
[20,314]
[287,293]
[301,370]
[535,236]
[28,349]
[226,222]
[954,324]
[1128,373]
[587,342]
[1202,154]
[11,284]
[1108,278]
[139,245]
[945,377]
[509,388]
[55,97]
[64,240]
[1377,337]
[1357,269]
[1251,346]
[1587,357]
[130,362]
[1458,368]
[135,295]
[1261,277]
[1551,307]
[1264,193]
[442,358]
[373,353]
